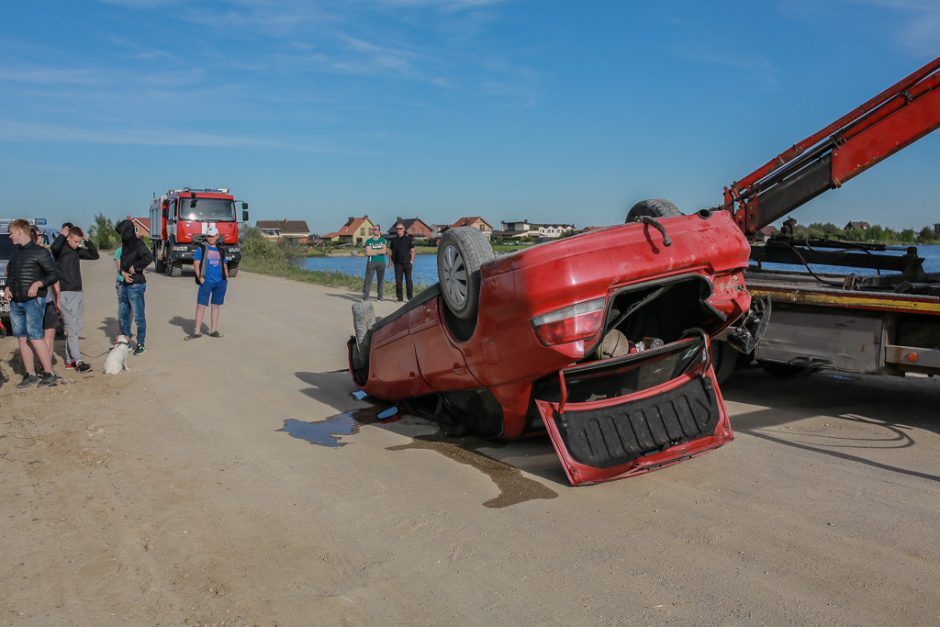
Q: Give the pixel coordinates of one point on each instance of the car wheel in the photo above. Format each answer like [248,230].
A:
[459,256]
[653,207]
[724,360]
[233,272]
[176,269]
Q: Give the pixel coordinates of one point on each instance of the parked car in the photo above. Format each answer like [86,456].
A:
[601,339]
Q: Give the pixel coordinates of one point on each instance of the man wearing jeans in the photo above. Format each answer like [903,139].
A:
[135,256]
[30,272]
[375,255]
[68,252]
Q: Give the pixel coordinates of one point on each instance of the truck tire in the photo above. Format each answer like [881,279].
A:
[459,256]
[233,272]
[175,269]
[159,265]
[653,207]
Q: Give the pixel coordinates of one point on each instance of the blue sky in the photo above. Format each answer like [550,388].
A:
[516,109]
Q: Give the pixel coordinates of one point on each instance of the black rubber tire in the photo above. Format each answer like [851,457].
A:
[459,256]
[724,360]
[175,269]
[159,265]
[653,207]
[785,371]
[233,272]
[363,315]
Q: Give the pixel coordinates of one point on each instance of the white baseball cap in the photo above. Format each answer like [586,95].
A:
[212,231]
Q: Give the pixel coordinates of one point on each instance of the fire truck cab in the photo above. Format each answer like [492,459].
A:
[180,220]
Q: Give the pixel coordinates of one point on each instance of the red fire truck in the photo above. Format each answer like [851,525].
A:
[180,219]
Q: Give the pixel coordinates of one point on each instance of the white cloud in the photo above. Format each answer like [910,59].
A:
[13,131]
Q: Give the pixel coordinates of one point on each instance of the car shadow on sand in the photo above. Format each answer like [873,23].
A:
[503,462]
[863,414]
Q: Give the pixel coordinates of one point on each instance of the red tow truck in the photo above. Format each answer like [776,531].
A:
[880,316]
[180,219]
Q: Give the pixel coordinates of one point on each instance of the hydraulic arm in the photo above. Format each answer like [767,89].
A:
[890,121]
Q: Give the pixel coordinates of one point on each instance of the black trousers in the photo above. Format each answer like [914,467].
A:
[403,269]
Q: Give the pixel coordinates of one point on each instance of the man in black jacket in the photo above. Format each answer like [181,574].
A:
[30,272]
[135,256]
[68,251]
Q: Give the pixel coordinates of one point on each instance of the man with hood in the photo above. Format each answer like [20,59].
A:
[135,256]
[70,247]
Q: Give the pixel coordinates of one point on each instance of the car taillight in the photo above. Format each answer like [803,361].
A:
[576,322]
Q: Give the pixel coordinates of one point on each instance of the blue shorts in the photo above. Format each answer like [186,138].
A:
[26,318]
[216,289]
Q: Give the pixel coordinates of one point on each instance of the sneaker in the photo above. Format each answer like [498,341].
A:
[27,381]
[139,349]
[48,379]
[70,365]
[81,366]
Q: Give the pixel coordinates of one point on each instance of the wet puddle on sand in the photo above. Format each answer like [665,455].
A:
[327,432]
[514,488]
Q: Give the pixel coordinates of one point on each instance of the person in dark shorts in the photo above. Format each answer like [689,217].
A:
[403,257]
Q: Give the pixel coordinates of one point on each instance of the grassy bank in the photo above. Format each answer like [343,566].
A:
[262,256]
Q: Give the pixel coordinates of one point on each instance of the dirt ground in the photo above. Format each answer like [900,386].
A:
[176,494]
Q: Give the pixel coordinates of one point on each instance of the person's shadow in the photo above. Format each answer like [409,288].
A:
[111,328]
[186,324]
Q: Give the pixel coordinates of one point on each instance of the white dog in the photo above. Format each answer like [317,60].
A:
[117,358]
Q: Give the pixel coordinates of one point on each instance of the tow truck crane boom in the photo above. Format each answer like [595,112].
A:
[890,121]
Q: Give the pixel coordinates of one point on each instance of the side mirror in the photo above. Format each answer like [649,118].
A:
[244,213]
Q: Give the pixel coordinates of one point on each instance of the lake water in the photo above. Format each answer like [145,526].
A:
[425,269]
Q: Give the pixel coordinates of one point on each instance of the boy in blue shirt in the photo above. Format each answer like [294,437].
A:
[212,276]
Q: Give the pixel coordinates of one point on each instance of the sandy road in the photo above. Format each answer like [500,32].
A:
[171,495]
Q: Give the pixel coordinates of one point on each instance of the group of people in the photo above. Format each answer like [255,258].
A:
[44,285]
[399,252]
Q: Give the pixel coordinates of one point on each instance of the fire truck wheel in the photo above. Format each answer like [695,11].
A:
[159,264]
[654,208]
[176,269]
[233,272]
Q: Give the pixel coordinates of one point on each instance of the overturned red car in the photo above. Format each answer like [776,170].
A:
[601,339]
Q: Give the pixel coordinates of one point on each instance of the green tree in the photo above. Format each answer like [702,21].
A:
[926,235]
[102,233]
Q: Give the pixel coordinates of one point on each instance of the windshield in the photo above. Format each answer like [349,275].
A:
[6,246]
[208,210]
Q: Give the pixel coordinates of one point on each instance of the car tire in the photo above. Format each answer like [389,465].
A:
[233,272]
[654,208]
[363,315]
[459,256]
[724,360]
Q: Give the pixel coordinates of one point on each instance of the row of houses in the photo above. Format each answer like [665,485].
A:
[357,230]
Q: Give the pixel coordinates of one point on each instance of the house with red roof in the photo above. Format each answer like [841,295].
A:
[355,232]
[476,222]
[141,226]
